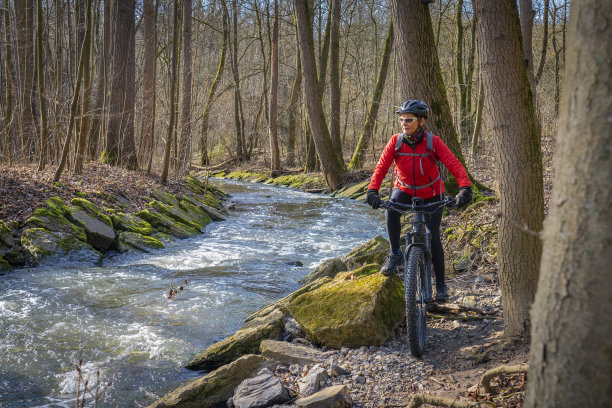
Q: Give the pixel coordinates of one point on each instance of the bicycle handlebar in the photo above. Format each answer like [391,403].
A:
[416,206]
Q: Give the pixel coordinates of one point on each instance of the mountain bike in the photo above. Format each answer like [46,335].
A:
[417,267]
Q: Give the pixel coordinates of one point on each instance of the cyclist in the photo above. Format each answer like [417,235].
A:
[417,175]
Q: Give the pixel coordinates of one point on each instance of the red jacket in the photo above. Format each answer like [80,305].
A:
[418,171]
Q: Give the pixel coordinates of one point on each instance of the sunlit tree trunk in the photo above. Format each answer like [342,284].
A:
[334,78]
[24,11]
[331,165]
[296,91]
[241,148]
[185,141]
[540,71]
[459,77]
[519,159]
[274,151]
[84,125]
[44,129]
[173,86]
[570,361]
[7,124]
[147,123]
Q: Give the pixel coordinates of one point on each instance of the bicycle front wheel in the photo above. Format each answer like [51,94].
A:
[414,295]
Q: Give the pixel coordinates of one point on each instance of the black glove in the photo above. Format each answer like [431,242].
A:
[464,197]
[373,199]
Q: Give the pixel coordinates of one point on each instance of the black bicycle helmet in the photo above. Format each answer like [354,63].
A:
[414,106]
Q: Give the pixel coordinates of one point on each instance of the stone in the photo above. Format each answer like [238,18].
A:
[462,265]
[130,222]
[132,240]
[199,215]
[6,236]
[15,256]
[167,225]
[330,268]
[52,218]
[290,353]
[311,383]
[213,213]
[332,397]
[92,209]
[176,213]
[373,251]
[99,234]
[215,388]
[165,197]
[4,264]
[260,391]
[357,308]
[293,328]
[337,371]
[244,341]
[43,246]
[355,190]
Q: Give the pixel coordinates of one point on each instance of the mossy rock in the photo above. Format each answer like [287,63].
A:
[92,209]
[130,222]
[244,341]
[6,236]
[165,224]
[52,218]
[15,256]
[42,246]
[213,213]
[99,234]
[4,265]
[373,251]
[163,237]
[329,268]
[354,191]
[165,197]
[215,388]
[133,240]
[177,214]
[199,215]
[357,308]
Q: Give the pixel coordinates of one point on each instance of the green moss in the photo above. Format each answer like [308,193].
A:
[92,209]
[175,213]
[81,194]
[165,224]
[129,222]
[200,216]
[4,264]
[139,241]
[52,218]
[108,157]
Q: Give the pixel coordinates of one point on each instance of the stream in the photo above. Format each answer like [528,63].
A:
[117,317]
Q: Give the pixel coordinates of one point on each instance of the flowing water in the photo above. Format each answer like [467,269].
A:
[117,317]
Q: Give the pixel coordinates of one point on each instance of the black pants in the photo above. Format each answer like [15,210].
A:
[432,220]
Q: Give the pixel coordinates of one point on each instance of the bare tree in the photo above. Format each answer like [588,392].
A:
[570,364]
[185,141]
[274,151]
[44,128]
[8,113]
[147,123]
[334,77]
[519,159]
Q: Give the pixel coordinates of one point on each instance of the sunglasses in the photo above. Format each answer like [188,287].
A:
[407,120]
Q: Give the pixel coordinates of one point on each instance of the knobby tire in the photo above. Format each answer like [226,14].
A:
[414,295]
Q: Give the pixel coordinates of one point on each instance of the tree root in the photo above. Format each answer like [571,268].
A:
[420,399]
[485,381]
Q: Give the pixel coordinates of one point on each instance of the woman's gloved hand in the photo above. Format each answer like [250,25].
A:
[373,199]
[464,197]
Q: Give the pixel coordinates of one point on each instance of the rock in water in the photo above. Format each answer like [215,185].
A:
[261,391]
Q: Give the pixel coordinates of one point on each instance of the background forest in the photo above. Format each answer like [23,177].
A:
[121,83]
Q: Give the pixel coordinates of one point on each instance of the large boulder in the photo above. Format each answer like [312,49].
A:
[215,388]
[373,251]
[53,218]
[6,236]
[131,223]
[133,240]
[329,268]
[261,391]
[176,213]
[99,234]
[213,213]
[357,308]
[244,341]
[44,246]
[167,225]
[198,214]
[291,353]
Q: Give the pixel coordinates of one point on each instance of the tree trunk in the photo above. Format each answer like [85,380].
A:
[7,125]
[204,159]
[334,78]
[538,75]
[332,166]
[98,121]
[296,91]
[368,127]
[82,139]
[478,119]
[25,24]
[73,111]
[459,77]
[274,151]
[527,14]
[173,86]
[570,364]
[240,139]
[147,123]
[419,69]
[44,129]
[519,160]
[185,144]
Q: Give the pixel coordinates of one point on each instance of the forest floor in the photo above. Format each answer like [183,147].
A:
[460,348]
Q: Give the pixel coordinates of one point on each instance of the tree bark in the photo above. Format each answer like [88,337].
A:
[519,160]
[274,151]
[368,127]
[147,123]
[204,159]
[238,118]
[527,14]
[419,69]
[7,124]
[44,128]
[459,77]
[538,75]
[334,78]
[296,91]
[120,135]
[185,143]
[173,86]
[332,166]
[570,364]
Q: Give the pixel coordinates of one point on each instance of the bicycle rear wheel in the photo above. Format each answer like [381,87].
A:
[414,295]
